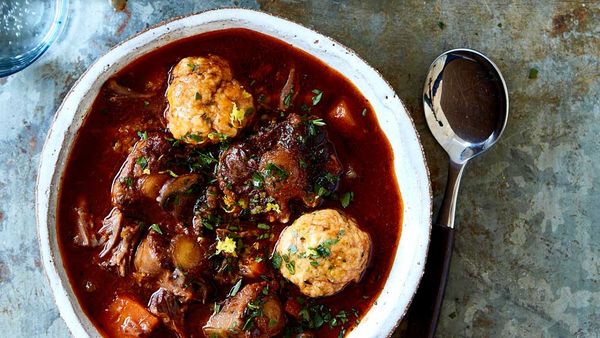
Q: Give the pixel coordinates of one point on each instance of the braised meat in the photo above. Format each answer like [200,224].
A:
[169,309]
[119,236]
[255,311]
[85,225]
[283,162]
[141,177]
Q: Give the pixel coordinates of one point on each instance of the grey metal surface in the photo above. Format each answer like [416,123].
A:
[527,257]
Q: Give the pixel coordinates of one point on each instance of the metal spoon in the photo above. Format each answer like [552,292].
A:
[466,108]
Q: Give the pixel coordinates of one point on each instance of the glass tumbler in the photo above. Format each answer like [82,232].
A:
[27,29]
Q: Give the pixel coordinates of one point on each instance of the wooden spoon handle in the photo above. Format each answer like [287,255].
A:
[424,312]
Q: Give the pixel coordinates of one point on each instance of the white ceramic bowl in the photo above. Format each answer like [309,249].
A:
[409,161]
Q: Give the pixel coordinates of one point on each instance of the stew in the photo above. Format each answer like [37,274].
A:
[228,185]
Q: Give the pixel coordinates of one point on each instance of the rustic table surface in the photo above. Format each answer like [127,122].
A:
[527,256]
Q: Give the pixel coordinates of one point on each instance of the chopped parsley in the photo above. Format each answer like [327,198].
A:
[211,222]
[347,198]
[276,260]
[253,310]
[192,66]
[236,287]
[313,124]
[287,100]
[143,135]
[317,98]
[142,162]
[326,184]
[156,228]
[194,137]
[217,136]
[217,308]
[315,316]
[263,236]
[318,122]
[198,96]
[272,169]
[200,160]
[441,25]
[323,249]
[128,181]
[533,73]
[305,108]
[263,226]
[257,180]
[291,266]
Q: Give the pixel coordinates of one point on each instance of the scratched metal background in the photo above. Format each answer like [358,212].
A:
[527,255]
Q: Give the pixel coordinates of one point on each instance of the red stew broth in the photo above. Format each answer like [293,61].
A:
[92,165]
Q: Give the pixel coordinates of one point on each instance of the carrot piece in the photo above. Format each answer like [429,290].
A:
[293,308]
[128,318]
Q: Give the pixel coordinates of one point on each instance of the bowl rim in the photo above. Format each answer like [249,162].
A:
[57,148]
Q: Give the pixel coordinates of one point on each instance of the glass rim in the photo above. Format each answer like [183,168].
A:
[14,64]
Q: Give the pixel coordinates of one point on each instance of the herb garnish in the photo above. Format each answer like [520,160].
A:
[216,308]
[236,287]
[291,266]
[533,73]
[317,98]
[194,137]
[128,181]
[276,260]
[313,124]
[287,100]
[143,135]
[198,96]
[257,180]
[156,228]
[347,198]
[211,222]
[325,184]
[142,162]
[272,169]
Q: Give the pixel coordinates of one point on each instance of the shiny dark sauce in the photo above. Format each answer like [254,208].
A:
[159,233]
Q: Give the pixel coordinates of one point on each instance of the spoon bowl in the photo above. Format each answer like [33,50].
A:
[466,103]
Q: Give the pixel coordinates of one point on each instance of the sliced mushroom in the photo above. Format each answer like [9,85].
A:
[151,256]
[179,194]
